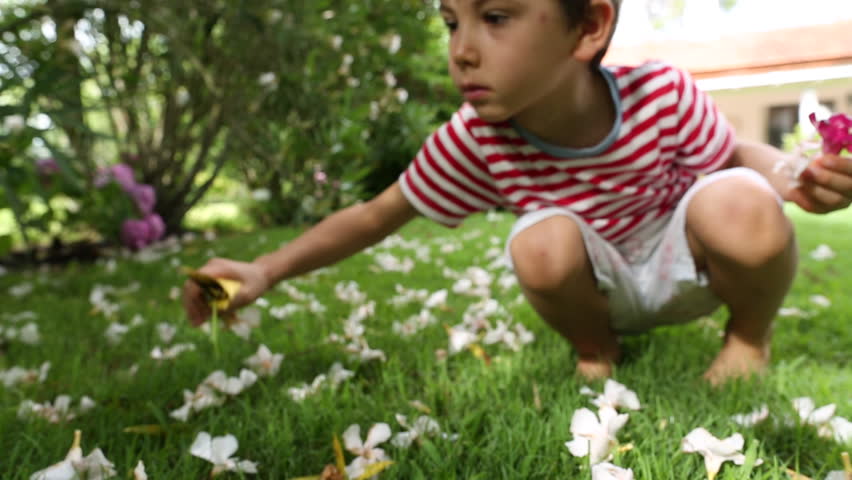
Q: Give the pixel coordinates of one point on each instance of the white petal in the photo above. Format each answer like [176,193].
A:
[223,447]
[608,471]
[352,439]
[822,414]
[842,429]
[579,446]
[246,466]
[379,433]
[60,471]
[202,447]
[182,413]
[599,449]
[836,475]
[403,439]
[584,422]
[139,472]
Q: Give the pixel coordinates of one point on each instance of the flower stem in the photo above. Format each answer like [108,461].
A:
[214,331]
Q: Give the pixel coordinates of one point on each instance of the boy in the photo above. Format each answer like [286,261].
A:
[634,207]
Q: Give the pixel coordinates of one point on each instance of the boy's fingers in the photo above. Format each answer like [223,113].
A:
[830,179]
[815,199]
[194,304]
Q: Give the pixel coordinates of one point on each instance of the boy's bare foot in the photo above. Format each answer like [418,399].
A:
[737,359]
[594,368]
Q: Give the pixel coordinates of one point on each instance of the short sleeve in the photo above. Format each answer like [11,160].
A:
[449,180]
[705,138]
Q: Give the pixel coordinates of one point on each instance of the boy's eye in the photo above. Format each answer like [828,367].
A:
[451,25]
[495,18]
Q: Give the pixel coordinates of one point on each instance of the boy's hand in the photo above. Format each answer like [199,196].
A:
[825,186]
[252,277]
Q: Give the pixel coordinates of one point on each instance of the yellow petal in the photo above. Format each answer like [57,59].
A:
[374,469]
[479,353]
[218,291]
[338,454]
[796,476]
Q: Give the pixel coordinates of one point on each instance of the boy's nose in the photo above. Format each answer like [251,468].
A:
[463,51]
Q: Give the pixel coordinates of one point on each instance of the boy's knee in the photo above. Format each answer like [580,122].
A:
[739,221]
[548,254]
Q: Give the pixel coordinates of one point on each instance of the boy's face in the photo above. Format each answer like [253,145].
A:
[509,56]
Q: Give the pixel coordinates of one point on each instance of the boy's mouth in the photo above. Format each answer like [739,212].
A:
[474,92]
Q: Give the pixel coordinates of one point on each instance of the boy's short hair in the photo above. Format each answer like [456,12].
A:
[578,10]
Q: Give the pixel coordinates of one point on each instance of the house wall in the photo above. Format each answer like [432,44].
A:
[748,109]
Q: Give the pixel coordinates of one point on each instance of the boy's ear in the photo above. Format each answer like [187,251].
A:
[595,31]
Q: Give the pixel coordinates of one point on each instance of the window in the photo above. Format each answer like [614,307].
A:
[782,120]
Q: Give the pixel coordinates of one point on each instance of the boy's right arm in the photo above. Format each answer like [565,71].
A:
[338,236]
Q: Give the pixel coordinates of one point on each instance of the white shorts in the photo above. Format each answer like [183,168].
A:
[663,287]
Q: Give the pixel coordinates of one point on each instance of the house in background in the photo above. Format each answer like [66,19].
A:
[760,79]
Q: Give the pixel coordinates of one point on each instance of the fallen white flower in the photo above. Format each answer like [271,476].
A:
[60,410]
[264,362]
[139,472]
[820,300]
[752,418]
[714,450]
[166,332]
[615,395]
[115,333]
[15,375]
[231,385]
[350,292]
[247,320]
[823,252]
[172,352]
[460,338]
[608,471]
[424,426]
[595,435]
[218,451]
[366,451]
[75,466]
[21,289]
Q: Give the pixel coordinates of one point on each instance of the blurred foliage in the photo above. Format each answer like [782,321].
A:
[313,105]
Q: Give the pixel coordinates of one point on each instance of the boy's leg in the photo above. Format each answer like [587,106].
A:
[739,235]
[557,278]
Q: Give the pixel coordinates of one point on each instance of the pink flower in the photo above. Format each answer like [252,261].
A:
[320,176]
[120,172]
[144,197]
[156,225]
[137,234]
[47,166]
[836,133]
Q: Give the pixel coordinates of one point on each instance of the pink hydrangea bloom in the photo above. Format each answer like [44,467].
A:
[157,228]
[144,197]
[47,166]
[137,234]
[836,133]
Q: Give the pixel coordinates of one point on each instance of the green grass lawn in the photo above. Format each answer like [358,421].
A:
[512,415]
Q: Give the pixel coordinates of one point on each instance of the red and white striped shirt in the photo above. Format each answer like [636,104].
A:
[666,135]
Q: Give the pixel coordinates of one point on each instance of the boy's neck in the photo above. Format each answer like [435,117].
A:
[581,117]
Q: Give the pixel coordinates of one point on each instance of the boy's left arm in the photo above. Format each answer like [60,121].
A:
[825,186]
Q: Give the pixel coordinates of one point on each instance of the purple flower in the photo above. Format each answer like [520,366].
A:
[47,166]
[123,174]
[836,133]
[120,172]
[135,233]
[144,197]
[157,228]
